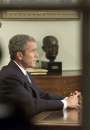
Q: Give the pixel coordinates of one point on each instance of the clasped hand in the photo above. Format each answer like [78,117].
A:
[73,101]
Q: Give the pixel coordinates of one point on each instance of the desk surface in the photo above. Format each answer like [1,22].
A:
[57,118]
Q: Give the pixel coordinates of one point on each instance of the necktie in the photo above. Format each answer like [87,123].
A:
[32,86]
[28,78]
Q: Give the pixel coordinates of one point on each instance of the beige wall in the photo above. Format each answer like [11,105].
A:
[67,32]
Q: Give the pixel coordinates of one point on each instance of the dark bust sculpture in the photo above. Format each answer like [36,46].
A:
[50,46]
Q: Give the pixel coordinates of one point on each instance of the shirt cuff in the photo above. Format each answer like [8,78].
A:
[65,114]
[64,102]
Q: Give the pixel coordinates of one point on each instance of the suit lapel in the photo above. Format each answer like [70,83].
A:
[24,78]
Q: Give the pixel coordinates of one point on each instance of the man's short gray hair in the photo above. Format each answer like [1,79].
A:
[18,43]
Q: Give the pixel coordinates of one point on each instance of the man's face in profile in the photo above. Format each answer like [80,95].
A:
[30,55]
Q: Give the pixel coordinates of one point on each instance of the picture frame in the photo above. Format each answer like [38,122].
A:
[39,15]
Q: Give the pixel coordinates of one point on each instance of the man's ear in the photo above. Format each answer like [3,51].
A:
[19,55]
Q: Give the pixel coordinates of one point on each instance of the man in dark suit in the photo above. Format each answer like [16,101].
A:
[17,88]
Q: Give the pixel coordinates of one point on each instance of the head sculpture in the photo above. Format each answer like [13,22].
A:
[50,46]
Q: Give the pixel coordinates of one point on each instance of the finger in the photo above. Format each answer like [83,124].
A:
[71,94]
[78,106]
[77,93]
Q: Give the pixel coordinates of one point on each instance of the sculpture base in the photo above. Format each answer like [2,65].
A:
[52,67]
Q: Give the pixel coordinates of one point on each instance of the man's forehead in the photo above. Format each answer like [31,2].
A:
[31,44]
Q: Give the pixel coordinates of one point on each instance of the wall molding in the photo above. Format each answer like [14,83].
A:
[39,15]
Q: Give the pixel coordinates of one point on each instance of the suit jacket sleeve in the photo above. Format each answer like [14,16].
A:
[44,94]
[14,90]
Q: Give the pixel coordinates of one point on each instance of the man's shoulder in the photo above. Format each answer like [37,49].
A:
[11,71]
[8,70]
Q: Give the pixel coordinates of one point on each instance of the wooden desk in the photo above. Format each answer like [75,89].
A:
[57,120]
[59,84]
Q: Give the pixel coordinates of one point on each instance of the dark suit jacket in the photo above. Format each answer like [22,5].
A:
[28,98]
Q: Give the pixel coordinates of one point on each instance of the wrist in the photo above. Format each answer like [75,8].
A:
[65,104]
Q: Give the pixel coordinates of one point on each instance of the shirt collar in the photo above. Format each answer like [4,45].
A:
[21,68]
